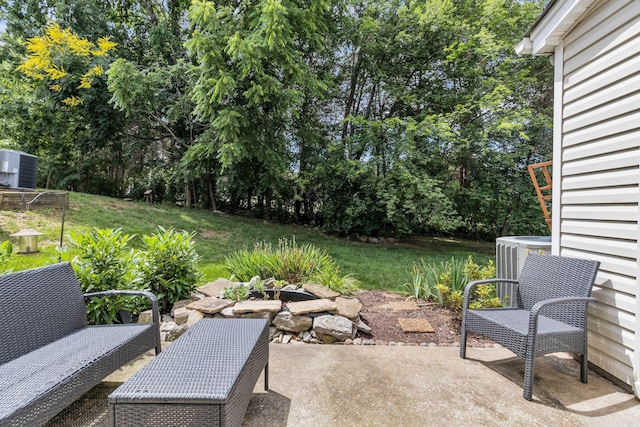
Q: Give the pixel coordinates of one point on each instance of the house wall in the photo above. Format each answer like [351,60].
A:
[599,190]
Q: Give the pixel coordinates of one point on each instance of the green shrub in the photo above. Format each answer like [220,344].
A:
[104,263]
[289,262]
[6,249]
[167,266]
[444,283]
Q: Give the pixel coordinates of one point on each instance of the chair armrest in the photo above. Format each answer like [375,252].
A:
[471,285]
[155,313]
[535,310]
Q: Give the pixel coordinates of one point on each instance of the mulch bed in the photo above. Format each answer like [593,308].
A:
[382,311]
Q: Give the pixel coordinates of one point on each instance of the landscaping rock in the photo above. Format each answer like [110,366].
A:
[181,318]
[268,283]
[292,323]
[262,306]
[192,315]
[214,289]
[228,312]
[326,339]
[210,305]
[348,307]
[362,327]
[145,317]
[182,303]
[258,315]
[337,327]
[312,306]
[176,332]
[320,291]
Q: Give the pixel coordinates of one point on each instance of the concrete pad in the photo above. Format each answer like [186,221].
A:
[414,386]
[336,385]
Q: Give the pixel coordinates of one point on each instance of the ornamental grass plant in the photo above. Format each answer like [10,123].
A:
[289,262]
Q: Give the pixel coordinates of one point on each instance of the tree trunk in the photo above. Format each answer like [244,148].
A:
[187,195]
[267,205]
[212,194]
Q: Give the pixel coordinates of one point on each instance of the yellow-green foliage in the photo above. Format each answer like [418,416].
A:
[445,283]
[485,294]
[485,297]
[478,272]
[65,63]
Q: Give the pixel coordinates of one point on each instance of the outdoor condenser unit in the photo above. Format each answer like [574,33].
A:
[511,252]
[18,170]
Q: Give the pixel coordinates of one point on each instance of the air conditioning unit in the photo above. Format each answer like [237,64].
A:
[511,252]
[18,170]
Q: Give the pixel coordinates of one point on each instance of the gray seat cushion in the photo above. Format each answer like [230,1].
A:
[70,366]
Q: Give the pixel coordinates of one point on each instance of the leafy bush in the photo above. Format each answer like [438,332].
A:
[168,265]
[6,249]
[104,263]
[289,262]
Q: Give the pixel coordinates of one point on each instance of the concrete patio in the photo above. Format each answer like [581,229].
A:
[336,385]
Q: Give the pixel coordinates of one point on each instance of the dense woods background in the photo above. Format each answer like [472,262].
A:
[382,117]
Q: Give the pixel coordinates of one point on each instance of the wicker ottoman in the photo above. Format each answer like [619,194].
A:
[205,378]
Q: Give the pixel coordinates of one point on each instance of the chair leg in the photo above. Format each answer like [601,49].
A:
[266,377]
[584,366]
[463,342]
[528,376]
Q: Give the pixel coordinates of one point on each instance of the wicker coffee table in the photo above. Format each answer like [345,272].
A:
[205,378]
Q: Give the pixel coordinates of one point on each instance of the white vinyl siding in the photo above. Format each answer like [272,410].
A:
[600,173]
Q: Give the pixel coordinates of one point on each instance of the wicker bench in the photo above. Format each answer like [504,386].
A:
[205,378]
[49,357]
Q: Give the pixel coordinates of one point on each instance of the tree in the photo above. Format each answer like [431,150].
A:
[382,118]
[251,81]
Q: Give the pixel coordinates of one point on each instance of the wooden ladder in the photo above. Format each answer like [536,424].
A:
[544,191]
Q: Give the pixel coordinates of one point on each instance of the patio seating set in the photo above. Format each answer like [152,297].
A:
[50,357]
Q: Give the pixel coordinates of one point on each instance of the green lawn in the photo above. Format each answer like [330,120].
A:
[382,266]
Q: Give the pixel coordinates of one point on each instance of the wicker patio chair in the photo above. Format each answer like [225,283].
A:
[49,356]
[551,313]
